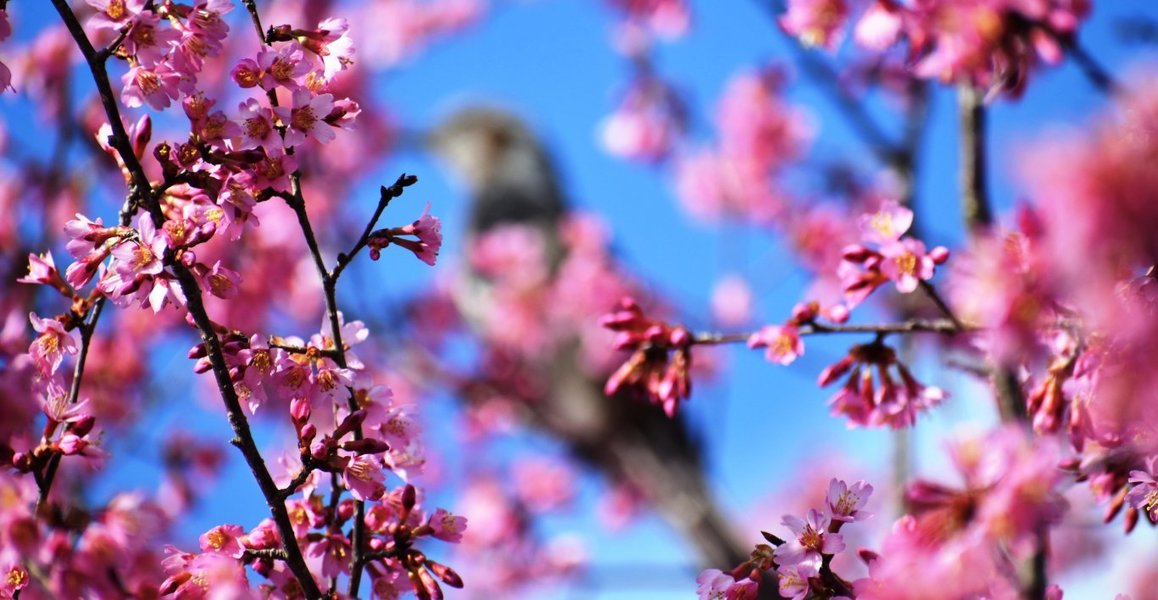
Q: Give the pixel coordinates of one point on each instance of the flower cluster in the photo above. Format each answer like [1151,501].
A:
[660,363]
[647,122]
[902,260]
[886,399]
[760,134]
[801,563]
[991,44]
[951,538]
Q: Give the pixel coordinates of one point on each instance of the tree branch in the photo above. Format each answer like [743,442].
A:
[979,219]
[141,191]
[942,326]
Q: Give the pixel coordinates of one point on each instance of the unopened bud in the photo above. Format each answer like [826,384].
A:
[300,410]
[366,446]
[409,497]
[445,573]
[345,510]
[82,425]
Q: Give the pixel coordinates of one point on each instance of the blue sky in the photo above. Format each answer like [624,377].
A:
[550,60]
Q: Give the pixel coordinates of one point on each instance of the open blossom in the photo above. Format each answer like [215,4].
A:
[282,67]
[794,579]
[816,22]
[783,343]
[364,478]
[333,44]
[903,260]
[812,540]
[845,503]
[305,117]
[148,41]
[114,14]
[49,348]
[906,263]
[446,526]
[887,224]
[155,86]
[273,169]
[713,584]
[224,540]
[16,578]
[1144,494]
[257,126]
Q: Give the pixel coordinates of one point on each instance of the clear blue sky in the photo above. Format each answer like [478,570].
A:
[550,60]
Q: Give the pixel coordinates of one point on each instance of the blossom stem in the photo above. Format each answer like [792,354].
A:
[142,192]
[87,327]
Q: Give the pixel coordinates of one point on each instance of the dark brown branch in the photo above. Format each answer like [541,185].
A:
[979,219]
[329,289]
[974,178]
[142,192]
[271,553]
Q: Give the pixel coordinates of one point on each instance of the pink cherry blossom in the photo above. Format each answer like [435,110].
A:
[816,22]
[782,341]
[447,527]
[845,503]
[224,540]
[49,348]
[887,224]
[364,478]
[156,86]
[906,263]
[305,117]
[812,540]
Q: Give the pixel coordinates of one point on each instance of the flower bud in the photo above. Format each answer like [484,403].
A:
[365,446]
[445,573]
[83,425]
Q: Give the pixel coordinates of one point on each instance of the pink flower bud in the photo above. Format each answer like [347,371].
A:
[308,432]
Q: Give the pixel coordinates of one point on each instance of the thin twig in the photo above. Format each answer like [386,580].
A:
[941,326]
[386,195]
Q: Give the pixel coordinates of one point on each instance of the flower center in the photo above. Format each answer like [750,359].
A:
[257,128]
[810,538]
[216,539]
[148,81]
[116,9]
[906,264]
[303,119]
